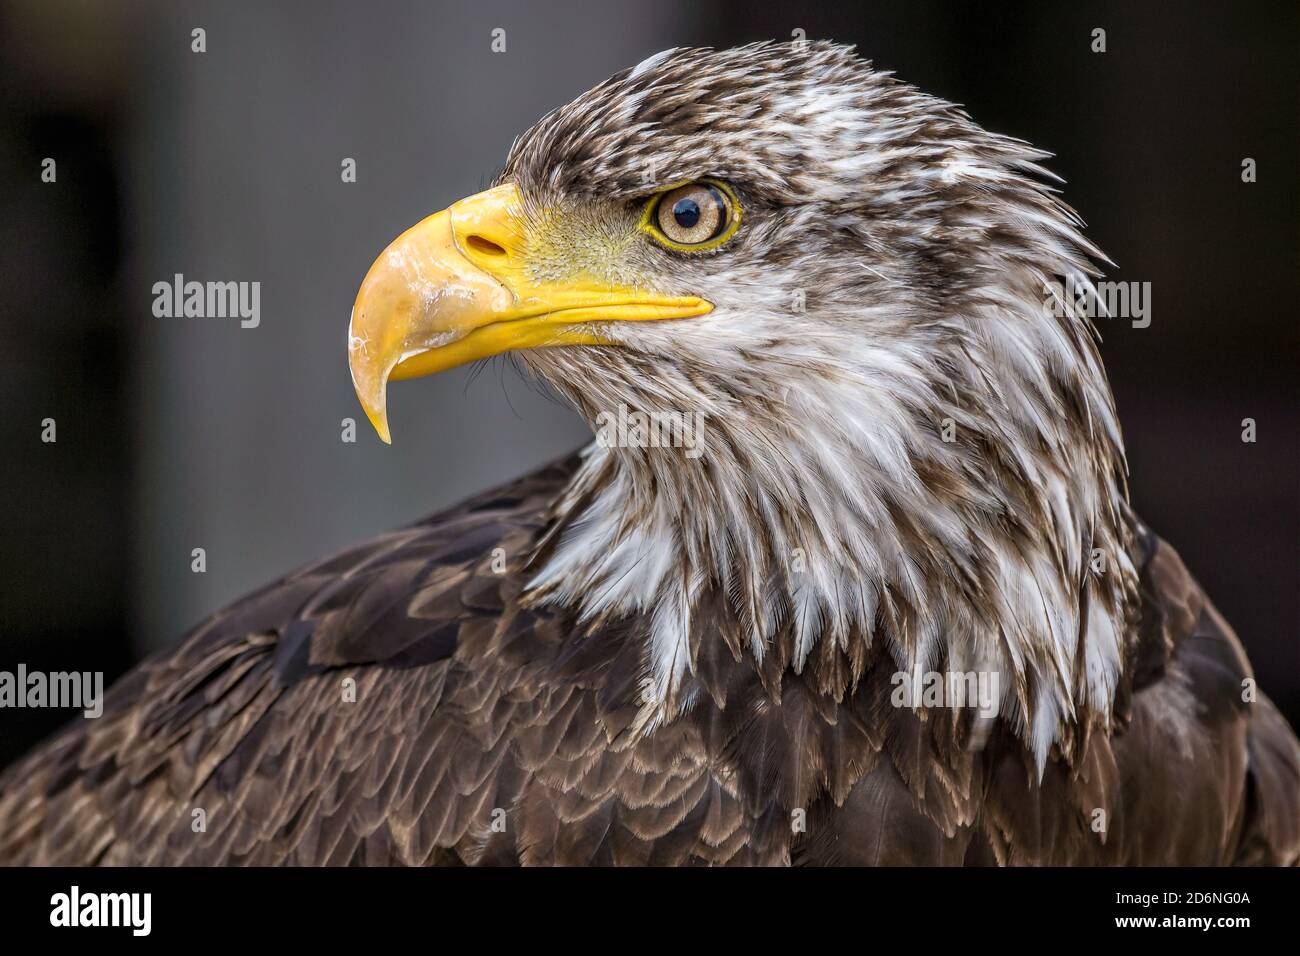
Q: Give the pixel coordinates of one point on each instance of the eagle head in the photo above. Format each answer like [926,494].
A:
[844,285]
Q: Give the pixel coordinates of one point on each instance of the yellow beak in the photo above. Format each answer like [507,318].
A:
[455,288]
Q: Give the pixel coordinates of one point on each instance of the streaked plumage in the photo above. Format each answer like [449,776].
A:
[652,677]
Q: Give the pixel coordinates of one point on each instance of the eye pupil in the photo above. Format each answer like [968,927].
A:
[686,212]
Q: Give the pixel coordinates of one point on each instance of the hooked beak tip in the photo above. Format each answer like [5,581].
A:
[370,385]
[376,408]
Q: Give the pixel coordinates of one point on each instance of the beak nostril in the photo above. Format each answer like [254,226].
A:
[485,246]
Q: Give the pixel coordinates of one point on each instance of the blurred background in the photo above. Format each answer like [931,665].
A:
[175,433]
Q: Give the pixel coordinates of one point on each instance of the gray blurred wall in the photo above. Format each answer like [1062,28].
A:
[236,176]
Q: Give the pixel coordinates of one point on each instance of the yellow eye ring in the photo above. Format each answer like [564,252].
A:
[653,222]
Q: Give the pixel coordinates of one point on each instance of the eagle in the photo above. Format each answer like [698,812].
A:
[860,583]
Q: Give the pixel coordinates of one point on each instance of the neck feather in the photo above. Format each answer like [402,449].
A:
[969,521]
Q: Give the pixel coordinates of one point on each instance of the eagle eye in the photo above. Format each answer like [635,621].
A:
[694,217]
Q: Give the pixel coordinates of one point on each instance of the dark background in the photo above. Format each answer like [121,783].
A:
[183,433]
